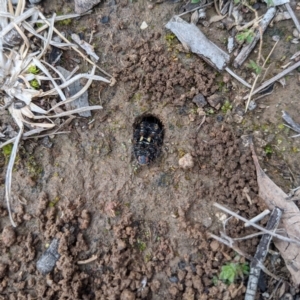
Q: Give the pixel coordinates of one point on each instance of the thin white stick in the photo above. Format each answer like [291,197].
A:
[238,78]
[87,261]
[258,217]
[275,78]
[281,237]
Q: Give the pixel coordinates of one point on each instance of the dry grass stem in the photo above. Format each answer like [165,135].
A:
[16,76]
[281,237]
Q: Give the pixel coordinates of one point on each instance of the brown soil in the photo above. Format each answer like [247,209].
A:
[148,226]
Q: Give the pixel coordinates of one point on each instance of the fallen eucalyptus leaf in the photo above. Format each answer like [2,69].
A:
[274,196]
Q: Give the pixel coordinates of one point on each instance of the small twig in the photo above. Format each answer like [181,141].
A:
[199,7]
[257,76]
[239,60]
[238,78]
[249,24]
[275,290]
[217,8]
[258,217]
[275,78]
[261,254]
[87,261]
[260,46]
[202,122]
[293,16]
[281,237]
[240,252]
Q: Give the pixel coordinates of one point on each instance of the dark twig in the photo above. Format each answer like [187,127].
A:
[261,253]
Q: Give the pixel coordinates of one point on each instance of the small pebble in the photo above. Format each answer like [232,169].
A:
[186,162]
[46,142]
[220,118]
[181,265]
[214,245]
[105,19]
[47,261]
[174,279]
[144,25]
[199,100]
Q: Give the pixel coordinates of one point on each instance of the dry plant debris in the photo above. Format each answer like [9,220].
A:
[246,34]
[22,72]
[276,197]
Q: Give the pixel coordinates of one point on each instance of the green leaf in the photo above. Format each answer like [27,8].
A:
[35,84]
[230,272]
[33,69]
[195,1]
[269,3]
[254,66]
[245,36]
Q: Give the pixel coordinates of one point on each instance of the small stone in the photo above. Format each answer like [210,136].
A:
[214,245]
[144,25]
[186,162]
[8,236]
[199,100]
[105,19]
[47,261]
[215,101]
[207,222]
[174,279]
[46,142]
[181,265]
[220,118]
[82,6]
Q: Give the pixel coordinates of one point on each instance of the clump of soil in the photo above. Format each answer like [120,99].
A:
[158,76]
[131,264]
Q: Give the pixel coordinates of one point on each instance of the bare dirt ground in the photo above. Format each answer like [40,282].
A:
[146,225]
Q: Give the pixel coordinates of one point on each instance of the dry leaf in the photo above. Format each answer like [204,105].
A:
[274,196]
[195,17]
[216,18]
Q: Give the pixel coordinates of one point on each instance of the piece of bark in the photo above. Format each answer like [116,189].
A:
[242,56]
[191,37]
[276,197]
[82,6]
[260,255]
[73,88]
